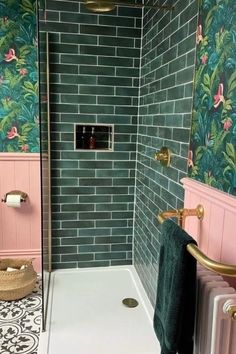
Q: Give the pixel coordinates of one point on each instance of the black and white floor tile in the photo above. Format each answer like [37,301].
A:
[20,323]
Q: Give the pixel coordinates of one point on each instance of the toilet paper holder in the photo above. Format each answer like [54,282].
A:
[23,195]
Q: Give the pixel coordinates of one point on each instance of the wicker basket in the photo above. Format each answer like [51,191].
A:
[16,284]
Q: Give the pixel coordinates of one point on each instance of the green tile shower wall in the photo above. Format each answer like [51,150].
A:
[94,79]
[167,67]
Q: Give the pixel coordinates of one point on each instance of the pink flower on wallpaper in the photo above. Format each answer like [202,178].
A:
[25,147]
[12,133]
[227,124]
[190,159]
[204,59]
[219,97]
[23,71]
[199,36]
[11,55]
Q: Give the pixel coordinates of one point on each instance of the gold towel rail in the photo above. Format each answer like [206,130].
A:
[220,268]
[181,214]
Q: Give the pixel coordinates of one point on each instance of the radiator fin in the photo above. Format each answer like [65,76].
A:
[215,331]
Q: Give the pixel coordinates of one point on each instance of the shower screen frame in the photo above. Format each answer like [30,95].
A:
[45,162]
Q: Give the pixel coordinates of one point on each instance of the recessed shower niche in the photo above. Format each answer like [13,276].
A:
[94,137]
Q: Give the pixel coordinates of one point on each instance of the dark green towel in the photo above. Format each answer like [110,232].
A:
[176,292]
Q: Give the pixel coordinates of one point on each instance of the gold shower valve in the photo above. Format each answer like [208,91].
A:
[163,156]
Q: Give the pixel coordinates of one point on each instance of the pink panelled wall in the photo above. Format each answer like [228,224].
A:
[215,234]
[20,228]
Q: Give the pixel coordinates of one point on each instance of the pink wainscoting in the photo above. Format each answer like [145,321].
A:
[215,234]
[20,228]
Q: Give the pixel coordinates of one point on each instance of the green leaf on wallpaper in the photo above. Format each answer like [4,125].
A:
[232,84]
[2,40]
[207,80]
[3,3]
[227,105]
[31,91]
[207,90]
[199,153]
[28,7]
[208,179]
[229,161]
[226,170]
[231,152]
[194,171]
[28,85]
[22,140]
[25,50]
[10,148]
[218,141]
[231,90]
[12,78]
[208,21]
[198,74]
[6,122]
[26,128]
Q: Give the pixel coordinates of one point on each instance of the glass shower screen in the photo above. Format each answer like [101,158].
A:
[45,168]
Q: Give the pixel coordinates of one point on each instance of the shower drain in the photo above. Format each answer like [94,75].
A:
[130,302]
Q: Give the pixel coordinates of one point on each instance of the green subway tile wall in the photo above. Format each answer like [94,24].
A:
[96,77]
[94,66]
[167,68]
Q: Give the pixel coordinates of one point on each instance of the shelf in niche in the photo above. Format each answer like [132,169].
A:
[103,137]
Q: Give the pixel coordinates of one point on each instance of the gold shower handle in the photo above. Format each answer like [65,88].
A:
[163,156]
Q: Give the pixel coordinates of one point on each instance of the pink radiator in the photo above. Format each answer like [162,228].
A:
[215,331]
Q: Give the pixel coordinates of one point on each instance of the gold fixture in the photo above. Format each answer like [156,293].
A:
[109,5]
[181,214]
[232,312]
[163,156]
[99,6]
[230,309]
[130,302]
[220,268]
[23,195]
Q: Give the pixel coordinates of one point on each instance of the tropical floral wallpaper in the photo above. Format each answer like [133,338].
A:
[19,100]
[212,156]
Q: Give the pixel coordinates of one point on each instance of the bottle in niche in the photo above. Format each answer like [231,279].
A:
[83,139]
[92,140]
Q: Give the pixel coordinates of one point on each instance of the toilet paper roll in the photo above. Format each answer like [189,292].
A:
[13,200]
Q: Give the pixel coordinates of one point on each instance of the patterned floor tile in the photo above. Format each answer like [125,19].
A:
[20,323]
